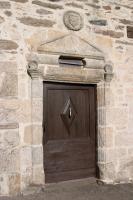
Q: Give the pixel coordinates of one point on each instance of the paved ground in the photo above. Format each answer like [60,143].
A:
[80,190]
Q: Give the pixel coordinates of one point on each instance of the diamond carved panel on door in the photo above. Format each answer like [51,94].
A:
[68,114]
[70,130]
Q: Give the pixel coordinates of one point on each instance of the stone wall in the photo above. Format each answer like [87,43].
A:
[108,25]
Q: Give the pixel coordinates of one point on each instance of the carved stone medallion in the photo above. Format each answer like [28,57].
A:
[73,20]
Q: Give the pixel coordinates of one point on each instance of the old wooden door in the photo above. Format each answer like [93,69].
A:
[69,131]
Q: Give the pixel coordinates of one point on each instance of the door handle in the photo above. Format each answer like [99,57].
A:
[70,112]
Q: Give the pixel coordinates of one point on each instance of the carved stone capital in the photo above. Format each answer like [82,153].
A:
[108,72]
[33,70]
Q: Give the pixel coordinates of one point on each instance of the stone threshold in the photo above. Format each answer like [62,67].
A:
[35,189]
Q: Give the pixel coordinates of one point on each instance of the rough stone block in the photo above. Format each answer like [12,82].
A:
[37,110]
[75,5]
[36,22]
[108,7]
[1,20]
[107,171]
[37,89]
[13,111]
[101,116]
[99,22]
[8,84]
[101,96]
[104,43]
[124,139]
[10,161]
[113,34]
[117,116]
[126,163]
[20,1]
[4,189]
[110,171]
[7,115]
[23,113]
[24,86]
[43,12]
[38,175]
[109,97]
[37,155]
[93,5]
[110,155]
[120,153]
[109,137]
[26,180]
[130,152]
[26,161]
[8,67]
[8,13]
[9,126]
[122,176]
[126,21]
[105,137]
[9,103]
[37,134]
[8,45]
[5,5]
[28,135]
[33,134]
[14,184]
[11,139]
[47,5]
[1,140]
[101,155]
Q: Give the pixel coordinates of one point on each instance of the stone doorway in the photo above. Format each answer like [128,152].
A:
[44,65]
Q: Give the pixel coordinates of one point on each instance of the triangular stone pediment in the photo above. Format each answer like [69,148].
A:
[70,45]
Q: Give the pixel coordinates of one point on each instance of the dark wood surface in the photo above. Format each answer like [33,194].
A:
[70,131]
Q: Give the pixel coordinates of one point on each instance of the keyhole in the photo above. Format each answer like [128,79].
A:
[70,112]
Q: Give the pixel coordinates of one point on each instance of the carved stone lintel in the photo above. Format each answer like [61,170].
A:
[92,74]
[108,72]
[33,70]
